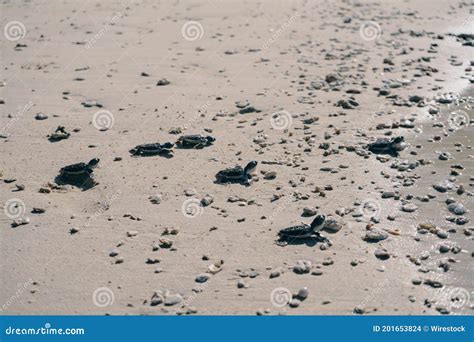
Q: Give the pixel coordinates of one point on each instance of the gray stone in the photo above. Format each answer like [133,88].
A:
[302,293]
[388,194]
[113,253]
[333,224]
[375,235]
[270,175]
[156,300]
[173,299]
[328,261]
[294,303]
[163,82]
[409,208]
[302,266]
[276,273]
[207,200]
[190,192]
[442,234]
[382,254]
[307,211]
[41,116]
[155,199]
[457,208]
[242,284]
[202,278]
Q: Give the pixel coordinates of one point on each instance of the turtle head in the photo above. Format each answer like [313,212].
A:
[93,163]
[398,143]
[210,139]
[317,222]
[167,145]
[250,167]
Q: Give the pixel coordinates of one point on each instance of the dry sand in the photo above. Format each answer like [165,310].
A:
[275,55]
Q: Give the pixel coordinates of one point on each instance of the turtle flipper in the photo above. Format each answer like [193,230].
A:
[247,181]
[318,237]
[281,243]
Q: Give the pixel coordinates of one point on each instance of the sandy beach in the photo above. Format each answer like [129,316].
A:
[301,87]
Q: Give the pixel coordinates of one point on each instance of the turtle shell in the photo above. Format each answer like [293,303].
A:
[76,169]
[151,149]
[380,145]
[59,134]
[193,139]
[296,232]
[234,173]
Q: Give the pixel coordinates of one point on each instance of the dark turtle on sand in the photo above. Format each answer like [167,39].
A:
[79,169]
[59,134]
[237,174]
[388,146]
[156,149]
[304,231]
[195,141]
[80,174]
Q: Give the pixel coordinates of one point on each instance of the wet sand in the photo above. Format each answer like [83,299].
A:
[300,87]
[455,139]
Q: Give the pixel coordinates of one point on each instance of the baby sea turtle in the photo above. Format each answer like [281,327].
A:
[388,146]
[80,174]
[237,174]
[59,134]
[147,150]
[304,231]
[195,141]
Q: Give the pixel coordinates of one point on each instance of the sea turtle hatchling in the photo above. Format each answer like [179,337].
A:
[304,231]
[195,141]
[237,174]
[80,174]
[388,146]
[156,149]
[59,134]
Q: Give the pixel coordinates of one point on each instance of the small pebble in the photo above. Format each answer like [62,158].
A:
[173,299]
[302,266]
[302,293]
[202,278]
[382,254]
